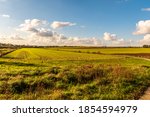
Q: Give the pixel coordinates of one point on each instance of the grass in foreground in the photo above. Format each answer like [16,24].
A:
[82,82]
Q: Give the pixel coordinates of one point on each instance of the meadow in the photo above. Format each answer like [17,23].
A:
[74,73]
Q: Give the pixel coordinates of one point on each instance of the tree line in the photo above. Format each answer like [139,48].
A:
[146,46]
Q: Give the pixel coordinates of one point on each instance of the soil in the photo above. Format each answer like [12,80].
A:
[146,95]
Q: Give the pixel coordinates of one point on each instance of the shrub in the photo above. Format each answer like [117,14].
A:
[41,84]
[18,87]
[87,73]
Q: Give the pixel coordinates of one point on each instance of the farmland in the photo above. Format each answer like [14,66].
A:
[74,73]
[5,51]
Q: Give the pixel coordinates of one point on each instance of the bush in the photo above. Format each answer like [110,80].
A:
[41,84]
[87,73]
[18,87]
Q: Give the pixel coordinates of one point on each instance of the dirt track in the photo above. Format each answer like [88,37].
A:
[146,95]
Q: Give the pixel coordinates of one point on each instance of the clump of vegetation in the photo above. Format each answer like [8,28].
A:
[80,82]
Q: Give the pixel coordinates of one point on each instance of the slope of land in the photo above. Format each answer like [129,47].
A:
[74,73]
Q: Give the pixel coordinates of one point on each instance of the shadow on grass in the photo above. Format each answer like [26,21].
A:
[19,64]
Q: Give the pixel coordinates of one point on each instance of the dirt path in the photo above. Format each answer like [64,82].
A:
[146,95]
[3,54]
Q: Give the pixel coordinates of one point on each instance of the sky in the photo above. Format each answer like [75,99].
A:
[75,22]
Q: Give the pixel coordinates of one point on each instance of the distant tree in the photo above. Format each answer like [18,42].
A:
[146,46]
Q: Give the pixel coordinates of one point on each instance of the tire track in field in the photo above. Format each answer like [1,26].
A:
[3,54]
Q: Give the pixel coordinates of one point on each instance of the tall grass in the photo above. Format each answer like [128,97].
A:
[80,82]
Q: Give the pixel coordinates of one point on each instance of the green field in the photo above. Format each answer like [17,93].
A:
[5,51]
[106,50]
[75,73]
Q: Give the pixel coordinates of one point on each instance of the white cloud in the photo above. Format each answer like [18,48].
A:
[44,32]
[42,36]
[57,24]
[109,37]
[145,9]
[145,40]
[113,40]
[13,39]
[34,32]
[61,40]
[34,27]
[120,42]
[142,27]
[31,25]
[54,40]
[76,41]
[5,16]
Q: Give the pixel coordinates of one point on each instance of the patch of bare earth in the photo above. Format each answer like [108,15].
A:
[146,95]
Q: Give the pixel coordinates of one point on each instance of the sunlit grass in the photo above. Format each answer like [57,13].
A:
[51,73]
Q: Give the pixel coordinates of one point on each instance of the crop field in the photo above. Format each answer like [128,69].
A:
[4,51]
[74,73]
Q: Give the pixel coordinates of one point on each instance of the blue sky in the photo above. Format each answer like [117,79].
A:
[78,18]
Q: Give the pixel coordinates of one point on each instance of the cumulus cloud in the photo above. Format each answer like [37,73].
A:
[5,16]
[57,24]
[42,32]
[76,41]
[142,27]
[109,37]
[114,40]
[145,40]
[31,25]
[35,27]
[13,39]
[121,42]
[39,35]
[145,9]
[61,40]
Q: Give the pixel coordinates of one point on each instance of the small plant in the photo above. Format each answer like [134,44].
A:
[55,70]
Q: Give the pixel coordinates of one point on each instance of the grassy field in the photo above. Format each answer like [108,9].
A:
[75,73]
[4,51]
[105,50]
